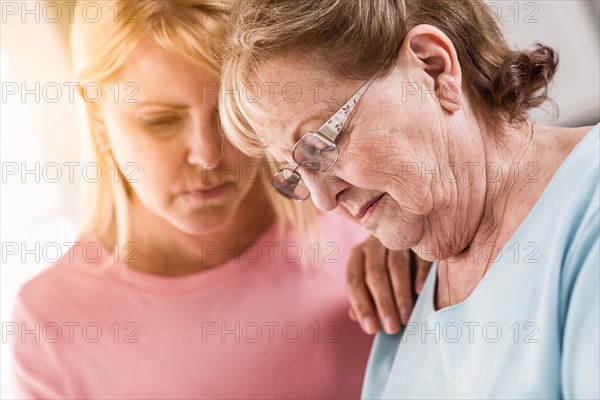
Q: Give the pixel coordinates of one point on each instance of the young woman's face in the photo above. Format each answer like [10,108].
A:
[162,127]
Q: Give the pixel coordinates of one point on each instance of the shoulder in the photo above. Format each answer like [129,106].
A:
[60,289]
[46,311]
[580,300]
[581,265]
[583,147]
[341,230]
[571,197]
[580,188]
[329,230]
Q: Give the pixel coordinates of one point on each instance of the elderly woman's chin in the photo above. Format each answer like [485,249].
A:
[388,232]
[395,229]
[389,239]
[427,247]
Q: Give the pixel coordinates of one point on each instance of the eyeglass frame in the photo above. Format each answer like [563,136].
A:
[328,132]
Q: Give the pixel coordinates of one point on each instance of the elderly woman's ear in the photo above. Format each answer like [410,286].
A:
[429,50]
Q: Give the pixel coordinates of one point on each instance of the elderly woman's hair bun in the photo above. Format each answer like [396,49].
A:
[523,79]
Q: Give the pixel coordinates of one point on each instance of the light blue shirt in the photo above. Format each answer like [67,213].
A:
[531,328]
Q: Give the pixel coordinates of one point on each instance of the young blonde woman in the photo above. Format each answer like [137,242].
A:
[181,285]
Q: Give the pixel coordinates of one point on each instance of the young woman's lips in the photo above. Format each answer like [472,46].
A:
[368,207]
[207,193]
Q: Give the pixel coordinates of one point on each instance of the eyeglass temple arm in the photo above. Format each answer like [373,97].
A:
[332,128]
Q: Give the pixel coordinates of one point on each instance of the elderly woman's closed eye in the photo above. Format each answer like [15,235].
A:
[429,146]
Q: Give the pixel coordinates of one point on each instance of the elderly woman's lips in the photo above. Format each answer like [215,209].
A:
[365,208]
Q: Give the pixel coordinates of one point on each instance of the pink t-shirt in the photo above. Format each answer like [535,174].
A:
[263,326]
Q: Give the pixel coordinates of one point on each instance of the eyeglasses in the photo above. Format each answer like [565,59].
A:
[315,151]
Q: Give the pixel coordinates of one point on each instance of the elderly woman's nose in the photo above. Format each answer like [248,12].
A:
[205,145]
[324,189]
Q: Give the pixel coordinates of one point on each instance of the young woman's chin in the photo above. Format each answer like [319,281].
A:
[204,221]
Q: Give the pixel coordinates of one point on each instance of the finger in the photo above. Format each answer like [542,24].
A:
[358,293]
[400,276]
[423,268]
[380,287]
[352,314]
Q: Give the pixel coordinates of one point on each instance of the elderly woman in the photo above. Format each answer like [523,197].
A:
[432,150]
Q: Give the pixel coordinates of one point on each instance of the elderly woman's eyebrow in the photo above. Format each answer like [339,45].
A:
[311,124]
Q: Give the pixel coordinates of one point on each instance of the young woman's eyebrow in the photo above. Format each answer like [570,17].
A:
[165,104]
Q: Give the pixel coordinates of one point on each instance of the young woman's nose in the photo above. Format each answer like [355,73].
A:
[205,145]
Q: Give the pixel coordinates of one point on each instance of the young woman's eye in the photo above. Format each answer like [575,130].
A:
[159,123]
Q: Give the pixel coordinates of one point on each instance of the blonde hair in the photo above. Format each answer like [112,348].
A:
[195,30]
[355,39]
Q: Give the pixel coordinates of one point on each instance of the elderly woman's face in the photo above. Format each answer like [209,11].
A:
[387,146]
